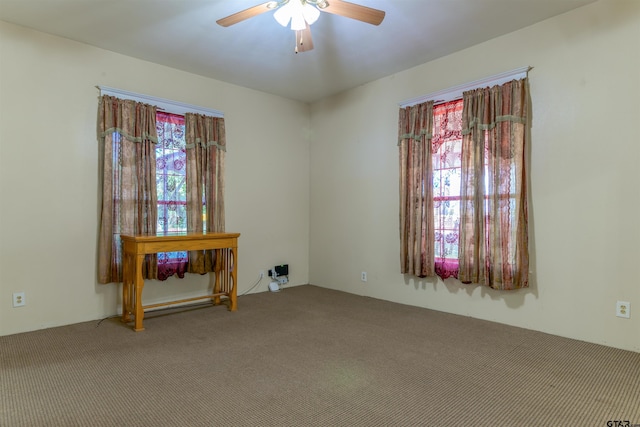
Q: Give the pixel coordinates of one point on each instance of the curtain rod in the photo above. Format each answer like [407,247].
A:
[167,105]
[455,92]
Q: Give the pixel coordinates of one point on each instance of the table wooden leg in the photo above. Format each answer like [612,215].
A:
[216,285]
[233,292]
[126,288]
[138,285]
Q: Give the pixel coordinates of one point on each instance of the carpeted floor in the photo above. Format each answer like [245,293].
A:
[309,356]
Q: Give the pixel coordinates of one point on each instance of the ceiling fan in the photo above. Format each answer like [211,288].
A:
[302,13]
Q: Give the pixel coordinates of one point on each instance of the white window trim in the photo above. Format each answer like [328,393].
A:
[455,92]
[166,105]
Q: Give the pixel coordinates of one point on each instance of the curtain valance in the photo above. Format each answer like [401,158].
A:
[134,121]
[494,105]
[414,124]
[205,131]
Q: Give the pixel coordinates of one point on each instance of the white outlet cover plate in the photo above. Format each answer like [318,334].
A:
[623,309]
[19,299]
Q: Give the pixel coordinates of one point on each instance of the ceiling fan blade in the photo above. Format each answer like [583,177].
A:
[355,11]
[245,14]
[304,42]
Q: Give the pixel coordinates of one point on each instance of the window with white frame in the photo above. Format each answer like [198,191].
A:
[463,201]
[170,173]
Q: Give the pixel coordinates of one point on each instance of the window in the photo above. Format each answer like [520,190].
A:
[446,149]
[147,147]
[171,188]
[171,175]
[446,146]
[463,199]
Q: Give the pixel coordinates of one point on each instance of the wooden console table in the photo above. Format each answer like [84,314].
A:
[134,249]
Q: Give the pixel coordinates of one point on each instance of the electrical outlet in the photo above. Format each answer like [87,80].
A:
[363,276]
[261,274]
[623,309]
[19,299]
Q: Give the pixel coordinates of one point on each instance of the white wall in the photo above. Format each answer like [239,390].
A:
[49,183]
[585,192]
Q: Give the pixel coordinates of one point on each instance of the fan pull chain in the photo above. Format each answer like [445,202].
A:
[301,41]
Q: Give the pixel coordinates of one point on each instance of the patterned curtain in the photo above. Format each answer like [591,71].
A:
[493,247]
[171,189]
[206,145]
[415,127]
[127,133]
[446,146]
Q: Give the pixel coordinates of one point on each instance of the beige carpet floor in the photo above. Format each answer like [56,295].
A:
[309,356]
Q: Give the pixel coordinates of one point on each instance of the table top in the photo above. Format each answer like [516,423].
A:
[177,236]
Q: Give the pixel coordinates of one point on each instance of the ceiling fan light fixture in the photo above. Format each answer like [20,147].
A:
[283,14]
[297,23]
[310,13]
[298,13]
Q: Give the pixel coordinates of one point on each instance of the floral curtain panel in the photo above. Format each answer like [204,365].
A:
[206,146]
[446,149]
[127,134]
[171,189]
[415,125]
[494,222]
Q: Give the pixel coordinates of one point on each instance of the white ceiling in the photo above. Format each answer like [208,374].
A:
[259,53]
